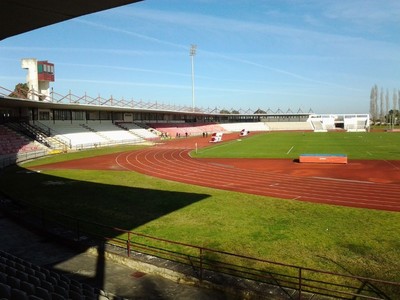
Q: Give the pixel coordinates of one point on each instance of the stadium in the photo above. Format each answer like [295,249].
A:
[253,204]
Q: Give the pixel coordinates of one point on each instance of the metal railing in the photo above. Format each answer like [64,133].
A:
[11,159]
[211,265]
[85,99]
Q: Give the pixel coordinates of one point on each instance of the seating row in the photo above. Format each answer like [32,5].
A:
[289,126]
[21,280]
[250,126]
[181,129]
[139,131]
[11,142]
[91,133]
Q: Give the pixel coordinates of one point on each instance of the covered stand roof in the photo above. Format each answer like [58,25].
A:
[19,16]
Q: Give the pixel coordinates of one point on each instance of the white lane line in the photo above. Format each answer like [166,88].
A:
[289,150]
[345,180]
[390,163]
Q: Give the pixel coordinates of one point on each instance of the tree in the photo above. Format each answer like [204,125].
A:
[382,110]
[387,102]
[398,98]
[373,103]
[21,90]
[225,112]
[376,102]
[393,116]
[259,111]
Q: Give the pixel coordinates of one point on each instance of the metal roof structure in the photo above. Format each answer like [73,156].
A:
[19,16]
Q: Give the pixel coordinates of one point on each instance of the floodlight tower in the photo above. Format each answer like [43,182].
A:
[192,54]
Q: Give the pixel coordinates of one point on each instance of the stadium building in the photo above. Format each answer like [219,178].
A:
[66,121]
[39,121]
[47,121]
[51,122]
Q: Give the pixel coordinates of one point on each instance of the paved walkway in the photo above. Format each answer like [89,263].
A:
[114,278]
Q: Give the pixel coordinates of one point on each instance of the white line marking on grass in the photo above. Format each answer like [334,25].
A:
[289,150]
[369,153]
[345,180]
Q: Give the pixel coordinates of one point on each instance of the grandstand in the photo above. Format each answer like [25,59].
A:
[79,135]
[56,124]
[12,142]
[237,127]
[347,122]
[185,129]
[50,124]
[145,133]
[289,126]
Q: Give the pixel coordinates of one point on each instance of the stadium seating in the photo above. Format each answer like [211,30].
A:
[91,133]
[181,129]
[111,132]
[21,280]
[347,122]
[356,126]
[318,126]
[12,143]
[289,126]
[140,131]
[75,133]
[237,127]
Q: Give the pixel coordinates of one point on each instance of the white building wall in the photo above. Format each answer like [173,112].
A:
[32,77]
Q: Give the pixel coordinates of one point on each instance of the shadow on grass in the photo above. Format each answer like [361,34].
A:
[111,205]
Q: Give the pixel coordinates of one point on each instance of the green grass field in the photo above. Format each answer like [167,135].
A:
[339,239]
[374,145]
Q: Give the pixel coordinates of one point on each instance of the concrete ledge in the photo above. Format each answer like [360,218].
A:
[232,287]
[323,158]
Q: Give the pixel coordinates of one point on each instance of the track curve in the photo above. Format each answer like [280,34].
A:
[174,163]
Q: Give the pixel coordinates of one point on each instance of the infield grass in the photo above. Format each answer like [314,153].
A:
[356,145]
[339,239]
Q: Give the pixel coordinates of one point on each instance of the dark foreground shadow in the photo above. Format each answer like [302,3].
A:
[33,194]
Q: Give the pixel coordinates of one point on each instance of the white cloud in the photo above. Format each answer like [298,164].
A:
[131,33]
[364,11]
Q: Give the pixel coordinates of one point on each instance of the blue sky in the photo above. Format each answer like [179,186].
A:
[281,54]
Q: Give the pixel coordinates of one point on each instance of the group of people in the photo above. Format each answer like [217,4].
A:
[178,134]
[165,135]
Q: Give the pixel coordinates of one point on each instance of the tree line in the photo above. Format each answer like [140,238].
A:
[384,107]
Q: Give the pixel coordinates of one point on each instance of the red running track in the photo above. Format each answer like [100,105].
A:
[176,165]
[364,184]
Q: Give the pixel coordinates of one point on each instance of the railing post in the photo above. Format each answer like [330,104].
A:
[201,264]
[128,245]
[300,282]
[42,217]
[78,230]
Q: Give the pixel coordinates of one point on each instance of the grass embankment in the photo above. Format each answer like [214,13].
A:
[340,239]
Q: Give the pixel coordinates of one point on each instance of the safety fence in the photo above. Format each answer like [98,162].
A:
[11,159]
[258,276]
